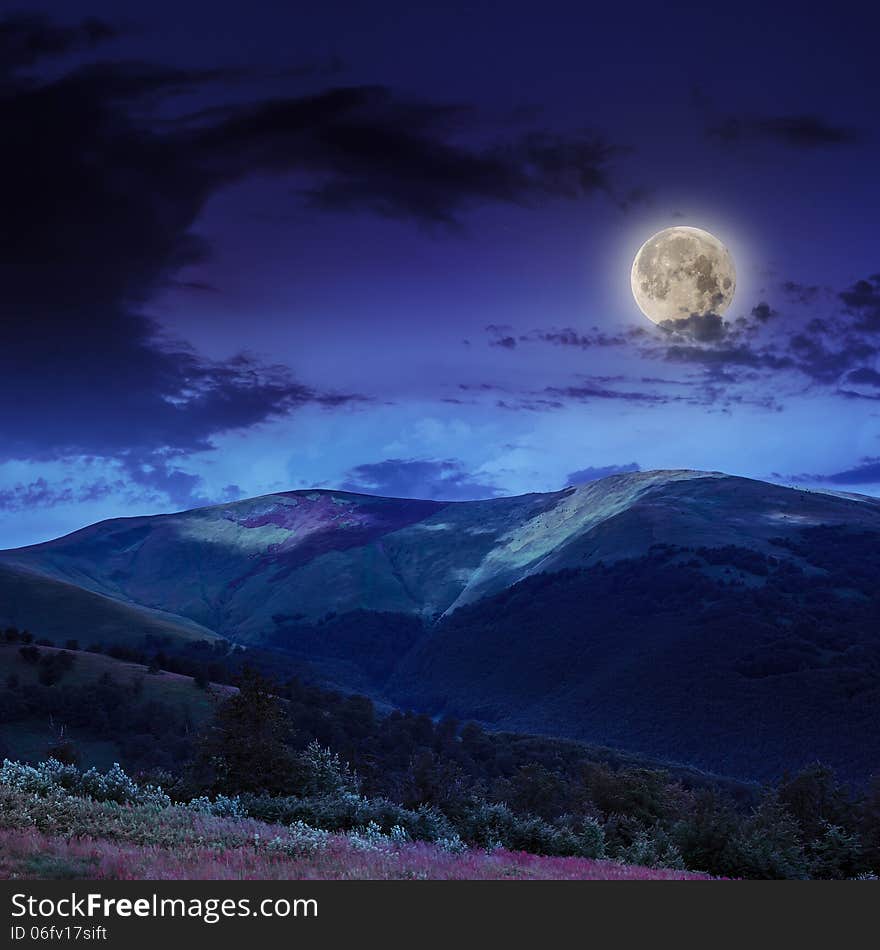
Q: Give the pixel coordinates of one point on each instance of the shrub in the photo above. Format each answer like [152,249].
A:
[56,778]
[350,812]
[222,806]
[493,825]
[652,848]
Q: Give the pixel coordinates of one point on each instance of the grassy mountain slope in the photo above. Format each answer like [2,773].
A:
[249,569]
[60,609]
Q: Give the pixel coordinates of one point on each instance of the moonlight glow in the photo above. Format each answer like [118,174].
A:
[680,272]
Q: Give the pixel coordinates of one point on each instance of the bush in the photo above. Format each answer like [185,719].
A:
[348,812]
[220,807]
[492,825]
[56,778]
[652,848]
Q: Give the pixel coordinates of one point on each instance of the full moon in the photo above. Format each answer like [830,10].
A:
[680,272]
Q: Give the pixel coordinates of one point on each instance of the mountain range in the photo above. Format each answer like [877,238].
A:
[724,622]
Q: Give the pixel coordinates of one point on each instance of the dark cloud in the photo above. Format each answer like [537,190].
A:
[589,392]
[719,357]
[799,131]
[26,38]
[529,404]
[42,494]
[504,336]
[511,399]
[867,472]
[100,206]
[806,354]
[823,358]
[766,345]
[148,480]
[703,327]
[155,476]
[834,352]
[501,335]
[864,376]
[394,162]
[587,389]
[102,181]
[592,474]
[801,293]
[763,312]
[436,479]
[862,300]
[567,336]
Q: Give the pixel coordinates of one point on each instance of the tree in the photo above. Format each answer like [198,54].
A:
[703,833]
[768,844]
[320,771]
[245,748]
[816,800]
[869,815]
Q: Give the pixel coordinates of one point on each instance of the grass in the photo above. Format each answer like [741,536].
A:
[33,855]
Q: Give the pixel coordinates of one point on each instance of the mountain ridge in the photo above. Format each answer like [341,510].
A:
[231,568]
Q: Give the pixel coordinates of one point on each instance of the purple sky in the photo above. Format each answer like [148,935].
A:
[387,247]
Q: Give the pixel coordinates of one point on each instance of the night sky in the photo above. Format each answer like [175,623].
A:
[255,247]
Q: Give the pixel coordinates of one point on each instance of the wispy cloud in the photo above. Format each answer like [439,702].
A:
[792,131]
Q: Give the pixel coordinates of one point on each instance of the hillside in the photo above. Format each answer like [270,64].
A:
[60,609]
[111,710]
[741,663]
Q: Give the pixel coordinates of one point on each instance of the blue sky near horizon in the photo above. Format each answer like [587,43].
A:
[387,248]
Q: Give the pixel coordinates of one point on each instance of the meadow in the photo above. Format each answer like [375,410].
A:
[46,832]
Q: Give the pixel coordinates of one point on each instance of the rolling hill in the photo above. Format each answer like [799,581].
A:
[60,610]
[76,706]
